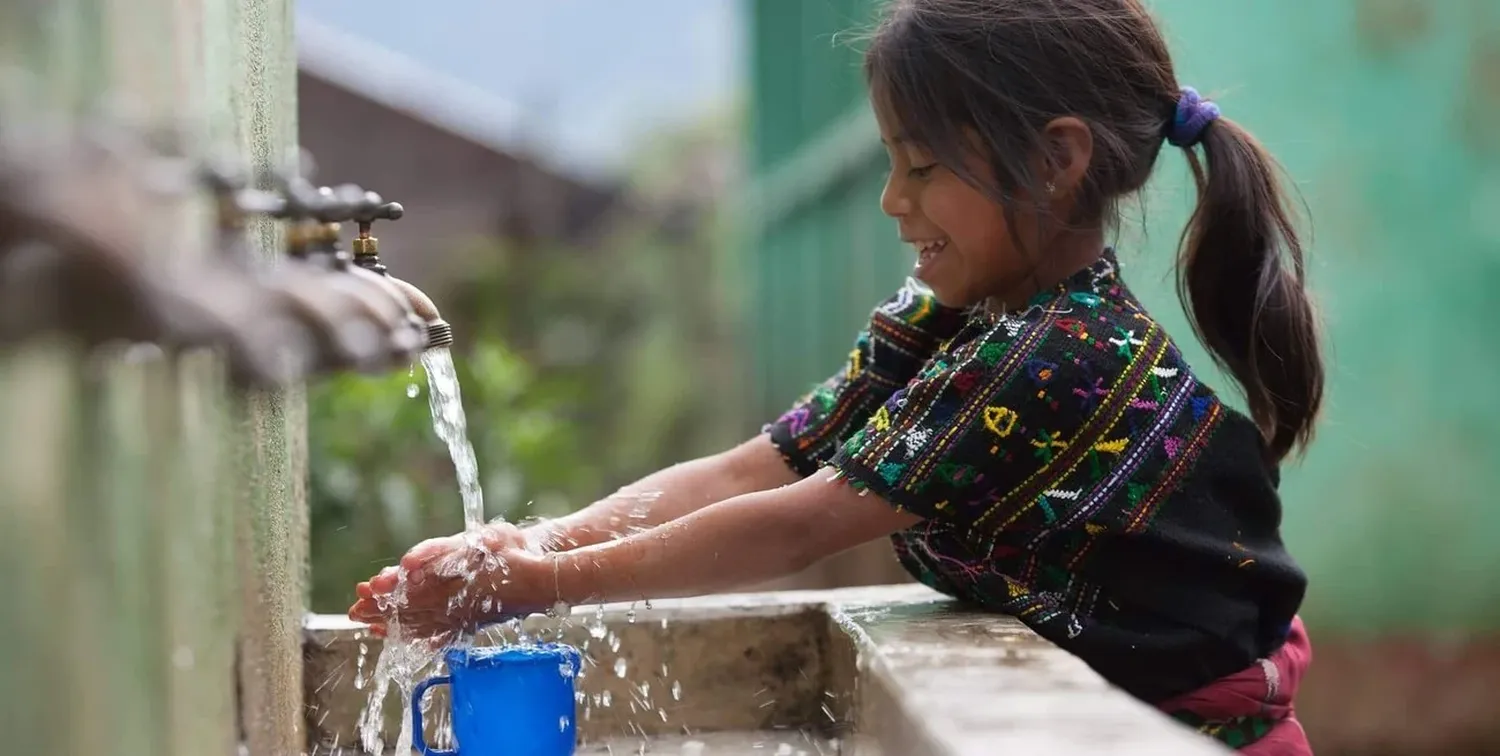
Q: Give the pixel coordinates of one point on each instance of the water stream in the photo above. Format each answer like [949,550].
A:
[448,420]
[403,661]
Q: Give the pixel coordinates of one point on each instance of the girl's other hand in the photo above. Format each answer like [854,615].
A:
[457,583]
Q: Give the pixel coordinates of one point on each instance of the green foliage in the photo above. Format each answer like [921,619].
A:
[379,480]
[581,369]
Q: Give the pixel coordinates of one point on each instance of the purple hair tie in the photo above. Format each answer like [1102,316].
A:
[1193,116]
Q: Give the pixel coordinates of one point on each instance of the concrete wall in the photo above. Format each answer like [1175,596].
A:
[151,527]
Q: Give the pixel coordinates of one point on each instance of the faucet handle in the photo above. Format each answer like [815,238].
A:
[299,198]
[371,208]
[331,207]
[259,202]
[222,176]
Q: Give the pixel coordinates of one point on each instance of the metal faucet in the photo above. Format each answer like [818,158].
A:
[72,241]
[346,322]
[367,210]
[315,237]
[75,260]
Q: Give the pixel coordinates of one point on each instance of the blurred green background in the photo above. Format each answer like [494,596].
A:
[581,369]
[1384,112]
[619,314]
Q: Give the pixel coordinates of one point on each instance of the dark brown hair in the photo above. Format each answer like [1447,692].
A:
[949,70]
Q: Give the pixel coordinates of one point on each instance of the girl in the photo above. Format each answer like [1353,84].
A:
[1026,434]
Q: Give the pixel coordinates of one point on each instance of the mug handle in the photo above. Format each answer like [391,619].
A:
[418,739]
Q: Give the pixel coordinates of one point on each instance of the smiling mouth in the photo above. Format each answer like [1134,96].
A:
[927,249]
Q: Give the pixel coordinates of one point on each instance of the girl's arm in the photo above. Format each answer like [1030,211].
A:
[664,496]
[748,538]
[753,537]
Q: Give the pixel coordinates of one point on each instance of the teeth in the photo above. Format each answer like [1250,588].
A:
[928,246]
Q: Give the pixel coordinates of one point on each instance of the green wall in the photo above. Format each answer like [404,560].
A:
[1387,115]
[152,530]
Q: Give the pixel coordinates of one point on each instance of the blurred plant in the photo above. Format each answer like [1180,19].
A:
[581,369]
[379,480]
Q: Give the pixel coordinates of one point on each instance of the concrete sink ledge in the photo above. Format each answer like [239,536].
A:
[889,670]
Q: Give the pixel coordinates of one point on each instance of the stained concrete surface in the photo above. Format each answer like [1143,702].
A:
[892,669]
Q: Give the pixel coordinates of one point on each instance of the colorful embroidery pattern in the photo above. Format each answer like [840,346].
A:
[903,332]
[1035,433]
[1041,448]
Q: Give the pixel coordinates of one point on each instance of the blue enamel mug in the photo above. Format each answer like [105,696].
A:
[506,701]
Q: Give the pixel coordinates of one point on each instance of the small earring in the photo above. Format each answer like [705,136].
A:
[1051,188]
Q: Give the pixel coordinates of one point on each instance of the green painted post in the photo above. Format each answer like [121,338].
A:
[126,477]
[253,71]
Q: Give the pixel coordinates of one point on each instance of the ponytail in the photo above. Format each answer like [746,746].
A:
[1240,273]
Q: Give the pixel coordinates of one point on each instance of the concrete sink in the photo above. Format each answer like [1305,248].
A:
[892,671]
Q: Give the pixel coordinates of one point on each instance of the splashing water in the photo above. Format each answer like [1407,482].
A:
[402,660]
[452,428]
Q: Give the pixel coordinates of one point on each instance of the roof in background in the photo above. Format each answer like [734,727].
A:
[403,84]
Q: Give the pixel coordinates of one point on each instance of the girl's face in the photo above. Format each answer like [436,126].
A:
[966,252]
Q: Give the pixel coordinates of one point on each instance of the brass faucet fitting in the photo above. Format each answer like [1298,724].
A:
[366,250]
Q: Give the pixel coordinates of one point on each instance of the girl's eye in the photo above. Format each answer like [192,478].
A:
[922,172]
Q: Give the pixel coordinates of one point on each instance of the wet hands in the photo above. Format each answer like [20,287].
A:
[460,582]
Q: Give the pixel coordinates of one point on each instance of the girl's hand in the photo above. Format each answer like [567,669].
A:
[458,583]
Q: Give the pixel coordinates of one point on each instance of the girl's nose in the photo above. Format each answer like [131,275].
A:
[893,200]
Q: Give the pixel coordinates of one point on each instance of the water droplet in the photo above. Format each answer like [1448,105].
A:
[630,614]
[604,699]
[676,690]
[562,724]
[598,631]
[620,665]
[359,666]
[412,390]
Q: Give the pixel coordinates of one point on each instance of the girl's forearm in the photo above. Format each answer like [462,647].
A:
[749,538]
[716,548]
[666,495]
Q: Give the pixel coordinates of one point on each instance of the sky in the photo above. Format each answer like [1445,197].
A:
[590,75]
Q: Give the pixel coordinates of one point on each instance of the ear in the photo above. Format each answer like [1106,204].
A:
[1069,150]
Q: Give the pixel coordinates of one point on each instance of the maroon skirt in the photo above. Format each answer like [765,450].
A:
[1251,710]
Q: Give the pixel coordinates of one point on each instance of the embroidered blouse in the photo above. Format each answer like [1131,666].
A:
[1070,470]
